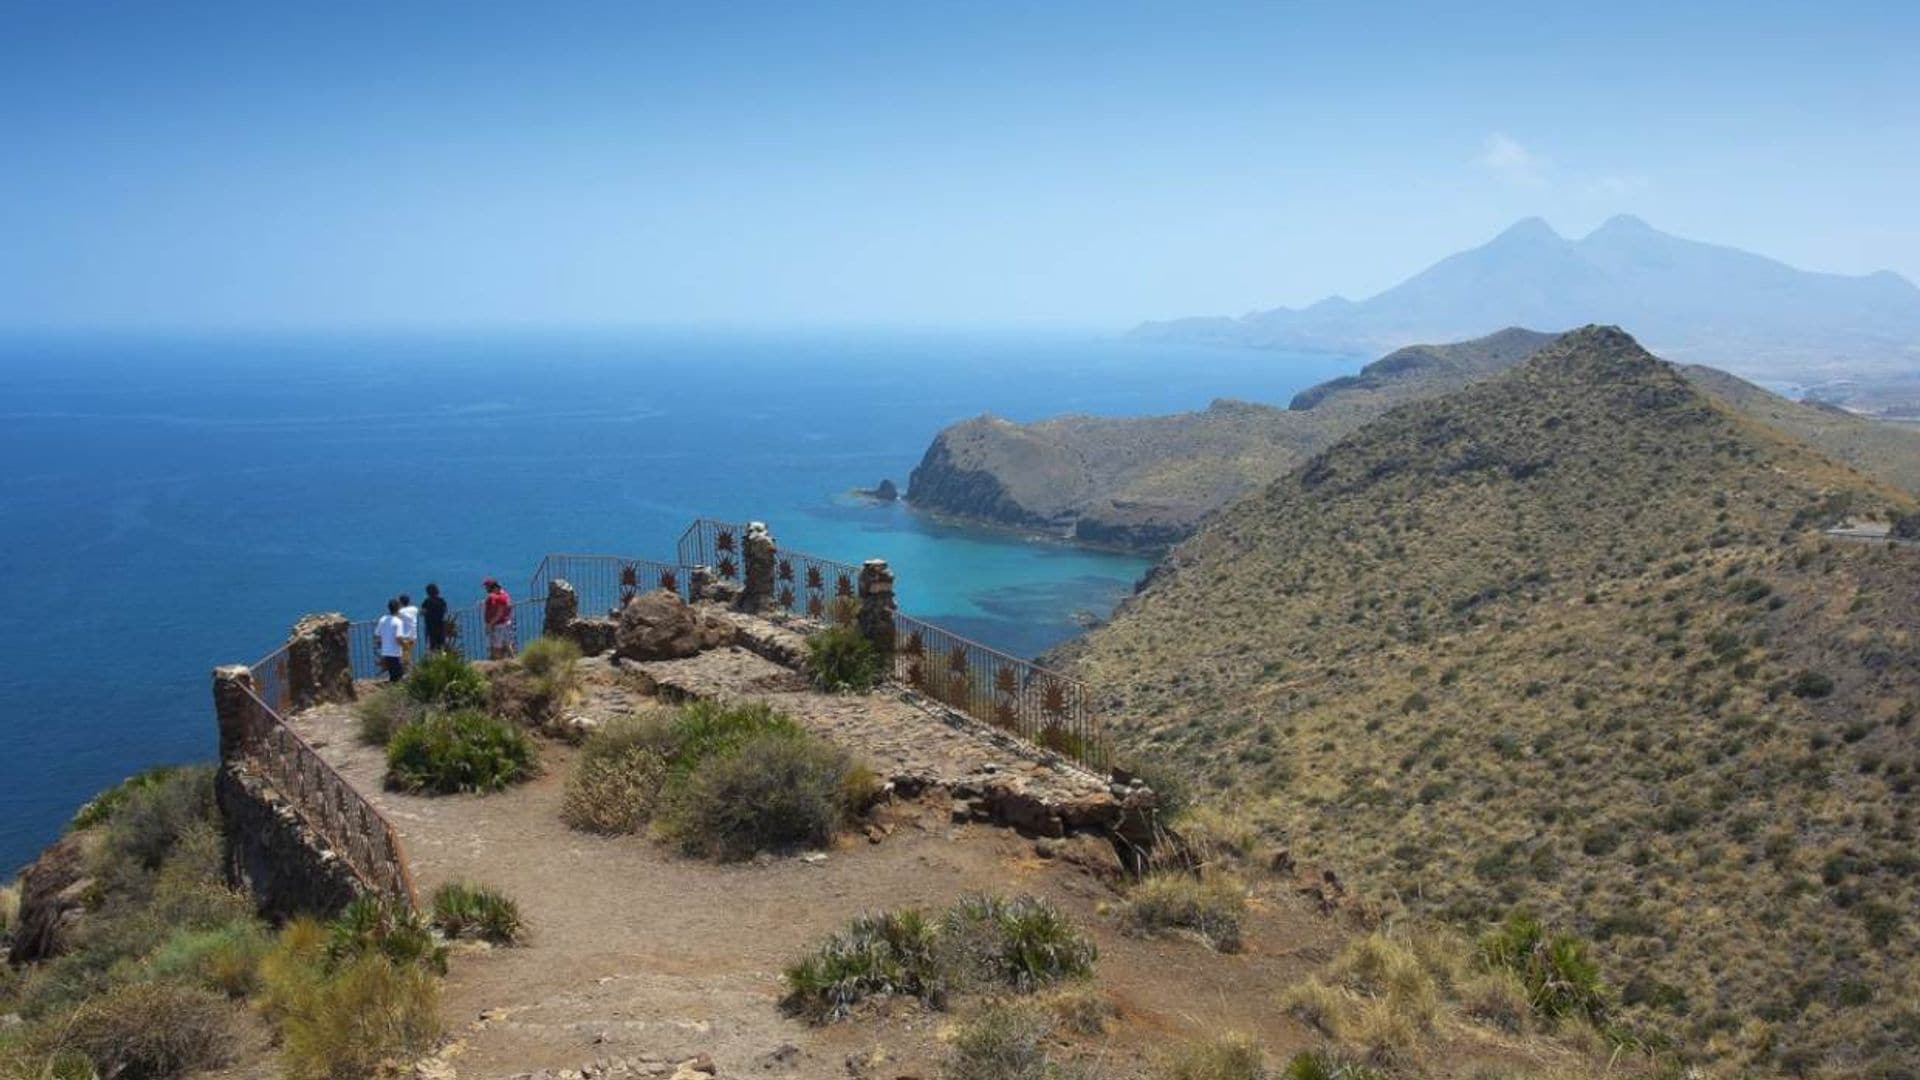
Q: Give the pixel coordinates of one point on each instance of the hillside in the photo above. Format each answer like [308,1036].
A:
[1691,301]
[1146,482]
[1570,640]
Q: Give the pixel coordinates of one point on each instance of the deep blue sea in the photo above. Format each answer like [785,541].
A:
[169,503]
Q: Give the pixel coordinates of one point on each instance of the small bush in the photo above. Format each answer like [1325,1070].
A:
[455,752]
[344,1025]
[9,908]
[225,959]
[1811,684]
[144,1031]
[150,816]
[1169,783]
[875,956]
[462,910]
[1082,1009]
[1003,1041]
[445,680]
[384,712]
[1021,944]
[553,661]
[705,729]
[535,689]
[1559,976]
[1226,1057]
[842,659]
[613,794]
[1211,905]
[350,996]
[1498,999]
[369,926]
[774,790]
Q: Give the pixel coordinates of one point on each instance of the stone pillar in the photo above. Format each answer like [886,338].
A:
[231,708]
[757,558]
[563,606]
[319,666]
[876,605]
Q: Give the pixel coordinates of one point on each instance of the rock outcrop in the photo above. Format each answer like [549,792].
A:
[658,625]
[53,894]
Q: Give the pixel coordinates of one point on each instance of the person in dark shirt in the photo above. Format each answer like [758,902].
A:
[433,617]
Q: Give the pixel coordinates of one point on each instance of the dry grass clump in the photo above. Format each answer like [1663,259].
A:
[1210,905]
[1001,1041]
[1226,1057]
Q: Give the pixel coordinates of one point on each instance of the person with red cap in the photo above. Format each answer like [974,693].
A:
[497,613]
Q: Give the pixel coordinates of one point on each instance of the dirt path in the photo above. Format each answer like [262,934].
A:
[638,957]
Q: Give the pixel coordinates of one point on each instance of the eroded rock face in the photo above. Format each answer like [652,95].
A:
[53,897]
[660,626]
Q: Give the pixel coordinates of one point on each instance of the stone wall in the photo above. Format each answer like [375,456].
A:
[270,852]
[282,864]
[319,668]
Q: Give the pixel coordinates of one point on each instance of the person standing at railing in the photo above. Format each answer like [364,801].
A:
[409,629]
[497,613]
[433,615]
[387,633]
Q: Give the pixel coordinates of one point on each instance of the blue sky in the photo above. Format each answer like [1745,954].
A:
[344,163]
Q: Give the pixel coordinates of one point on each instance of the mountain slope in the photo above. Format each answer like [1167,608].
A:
[1692,301]
[1570,640]
[1146,482]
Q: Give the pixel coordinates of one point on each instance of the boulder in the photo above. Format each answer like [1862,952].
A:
[661,626]
[594,636]
[53,892]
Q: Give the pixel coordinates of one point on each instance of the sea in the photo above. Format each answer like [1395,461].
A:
[172,502]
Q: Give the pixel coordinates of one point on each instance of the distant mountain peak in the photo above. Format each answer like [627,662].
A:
[1529,230]
[1688,300]
[1625,225]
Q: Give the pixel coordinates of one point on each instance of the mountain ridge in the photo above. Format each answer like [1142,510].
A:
[1690,300]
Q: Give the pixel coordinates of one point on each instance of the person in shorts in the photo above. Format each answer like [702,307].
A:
[497,614]
[409,629]
[386,633]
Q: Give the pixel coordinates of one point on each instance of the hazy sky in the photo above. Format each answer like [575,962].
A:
[281,162]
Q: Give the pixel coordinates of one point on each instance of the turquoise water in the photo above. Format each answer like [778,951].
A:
[173,503]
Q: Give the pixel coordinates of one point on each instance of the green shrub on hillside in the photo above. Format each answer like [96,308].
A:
[99,809]
[135,1031]
[1021,944]
[461,909]
[726,780]
[224,959]
[369,926]
[982,943]
[459,752]
[891,954]
[1323,1065]
[841,659]
[1560,977]
[445,680]
[342,1012]
[775,790]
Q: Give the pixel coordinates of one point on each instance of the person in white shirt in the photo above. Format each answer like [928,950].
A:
[409,629]
[386,632]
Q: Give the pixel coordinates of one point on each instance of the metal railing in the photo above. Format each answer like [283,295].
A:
[604,583]
[466,635]
[715,544]
[1039,705]
[352,828]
